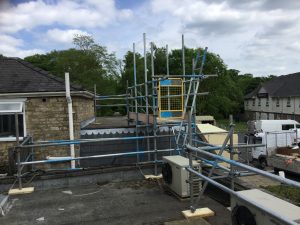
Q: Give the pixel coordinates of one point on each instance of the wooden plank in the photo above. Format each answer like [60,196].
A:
[17,191]
[200,212]
[151,176]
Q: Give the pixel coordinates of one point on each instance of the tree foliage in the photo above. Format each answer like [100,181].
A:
[90,63]
[226,91]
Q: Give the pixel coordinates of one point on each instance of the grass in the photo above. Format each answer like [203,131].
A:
[286,192]
[240,127]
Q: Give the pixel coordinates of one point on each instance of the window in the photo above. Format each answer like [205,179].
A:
[257,140]
[267,101]
[288,103]
[297,126]
[253,102]
[8,111]
[277,102]
[259,102]
[287,126]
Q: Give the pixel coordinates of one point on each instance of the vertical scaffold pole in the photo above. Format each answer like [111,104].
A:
[168,73]
[191,175]
[19,174]
[95,101]
[231,151]
[146,93]
[183,64]
[136,102]
[127,103]
[154,108]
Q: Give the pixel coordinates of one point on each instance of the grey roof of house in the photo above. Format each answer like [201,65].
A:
[282,86]
[19,76]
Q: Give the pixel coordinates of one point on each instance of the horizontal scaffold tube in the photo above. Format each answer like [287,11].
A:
[279,217]
[244,166]
[81,141]
[109,96]
[67,159]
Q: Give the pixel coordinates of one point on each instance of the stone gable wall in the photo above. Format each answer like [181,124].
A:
[47,119]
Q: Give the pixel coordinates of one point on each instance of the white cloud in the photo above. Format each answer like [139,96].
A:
[13,47]
[83,14]
[259,36]
[63,36]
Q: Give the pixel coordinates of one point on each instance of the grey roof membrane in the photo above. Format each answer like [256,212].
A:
[19,76]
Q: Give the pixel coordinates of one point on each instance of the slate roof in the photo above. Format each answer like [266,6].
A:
[19,76]
[282,86]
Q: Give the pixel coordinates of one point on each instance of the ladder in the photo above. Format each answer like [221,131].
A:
[191,96]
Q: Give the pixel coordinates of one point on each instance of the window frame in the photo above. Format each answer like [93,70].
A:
[13,112]
[287,126]
[288,102]
[277,102]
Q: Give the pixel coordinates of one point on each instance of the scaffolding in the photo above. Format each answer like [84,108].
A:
[170,101]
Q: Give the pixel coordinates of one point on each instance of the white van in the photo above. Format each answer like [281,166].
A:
[259,126]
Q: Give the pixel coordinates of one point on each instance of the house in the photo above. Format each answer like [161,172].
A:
[278,98]
[38,99]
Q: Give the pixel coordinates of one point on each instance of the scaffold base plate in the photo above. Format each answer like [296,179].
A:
[17,191]
[200,212]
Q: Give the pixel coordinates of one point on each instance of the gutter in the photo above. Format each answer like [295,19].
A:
[85,94]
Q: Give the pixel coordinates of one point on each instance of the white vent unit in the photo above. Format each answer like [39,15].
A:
[175,175]
[246,214]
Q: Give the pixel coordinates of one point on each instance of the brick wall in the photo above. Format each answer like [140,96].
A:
[47,119]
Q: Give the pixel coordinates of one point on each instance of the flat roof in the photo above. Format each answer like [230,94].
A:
[131,202]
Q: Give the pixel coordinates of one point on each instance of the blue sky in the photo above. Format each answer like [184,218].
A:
[258,36]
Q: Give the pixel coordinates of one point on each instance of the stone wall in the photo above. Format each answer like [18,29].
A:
[47,119]
[4,147]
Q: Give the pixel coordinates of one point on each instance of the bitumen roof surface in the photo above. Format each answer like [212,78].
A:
[19,76]
[138,202]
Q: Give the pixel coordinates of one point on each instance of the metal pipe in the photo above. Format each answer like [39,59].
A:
[281,218]
[127,103]
[146,93]
[66,159]
[231,151]
[81,141]
[224,145]
[154,107]
[191,177]
[183,63]
[167,60]
[244,166]
[136,102]
[19,173]
[95,100]
[70,113]
[108,96]
[25,140]
[112,98]
[113,105]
